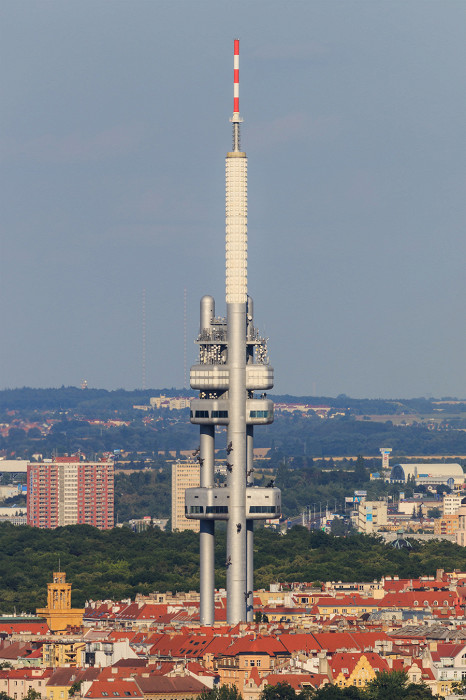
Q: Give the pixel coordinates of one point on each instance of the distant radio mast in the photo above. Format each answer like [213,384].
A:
[185,353]
[143,339]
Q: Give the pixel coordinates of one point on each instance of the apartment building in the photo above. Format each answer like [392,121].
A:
[371,515]
[67,491]
[186,474]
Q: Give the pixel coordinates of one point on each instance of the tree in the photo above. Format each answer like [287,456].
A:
[338,527]
[224,692]
[32,695]
[333,692]
[4,696]
[388,685]
[459,687]
[307,693]
[281,691]
[418,691]
[393,685]
[434,513]
[74,688]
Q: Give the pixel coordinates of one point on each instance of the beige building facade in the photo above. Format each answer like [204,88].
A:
[451,503]
[371,516]
[186,474]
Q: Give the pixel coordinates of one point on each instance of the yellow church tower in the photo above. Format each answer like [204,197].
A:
[59,613]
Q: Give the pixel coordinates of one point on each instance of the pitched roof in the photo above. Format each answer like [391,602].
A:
[261,645]
[173,684]
[15,650]
[447,651]
[113,689]
[346,663]
[299,642]
[336,641]
[67,676]
[297,680]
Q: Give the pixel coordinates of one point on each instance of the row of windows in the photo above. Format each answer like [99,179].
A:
[224,414]
[224,509]
[209,509]
[205,414]
[264,509]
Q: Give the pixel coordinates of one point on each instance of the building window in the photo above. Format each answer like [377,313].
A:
[196,509]
[262,509]
[202,414]
[258,414]
[216,509]
[219,414]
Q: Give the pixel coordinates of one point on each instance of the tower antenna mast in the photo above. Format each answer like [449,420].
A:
[144,339]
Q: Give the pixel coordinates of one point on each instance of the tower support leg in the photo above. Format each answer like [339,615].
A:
[207,531]
[236,523]
[250,529]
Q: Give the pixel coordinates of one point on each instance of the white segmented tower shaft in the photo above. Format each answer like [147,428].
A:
[233,362]
[236,205]
[236,180]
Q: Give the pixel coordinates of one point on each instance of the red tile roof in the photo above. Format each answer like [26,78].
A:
[113,689]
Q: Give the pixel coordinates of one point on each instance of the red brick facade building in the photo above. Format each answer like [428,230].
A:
[66,491]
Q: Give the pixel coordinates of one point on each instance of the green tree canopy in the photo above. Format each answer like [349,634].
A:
[281,691]
[334,692]
[224,692]
[393,685]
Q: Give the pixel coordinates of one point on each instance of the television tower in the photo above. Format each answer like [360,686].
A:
[233,364]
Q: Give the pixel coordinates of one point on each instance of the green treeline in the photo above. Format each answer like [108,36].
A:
[437,429]
[119,563]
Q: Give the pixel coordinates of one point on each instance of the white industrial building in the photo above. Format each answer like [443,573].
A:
[429,474]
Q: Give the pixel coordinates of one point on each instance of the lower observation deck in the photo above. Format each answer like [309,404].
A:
[212,503]
[215,411]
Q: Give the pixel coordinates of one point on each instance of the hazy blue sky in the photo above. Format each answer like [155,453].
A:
[114,128]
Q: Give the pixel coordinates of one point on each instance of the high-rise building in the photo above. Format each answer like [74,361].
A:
[233,365]
[67,491]
[185,475]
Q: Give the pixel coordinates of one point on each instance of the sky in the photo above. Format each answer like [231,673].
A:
[114,129]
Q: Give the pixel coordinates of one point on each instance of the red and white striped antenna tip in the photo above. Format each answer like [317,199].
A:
[236,77]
